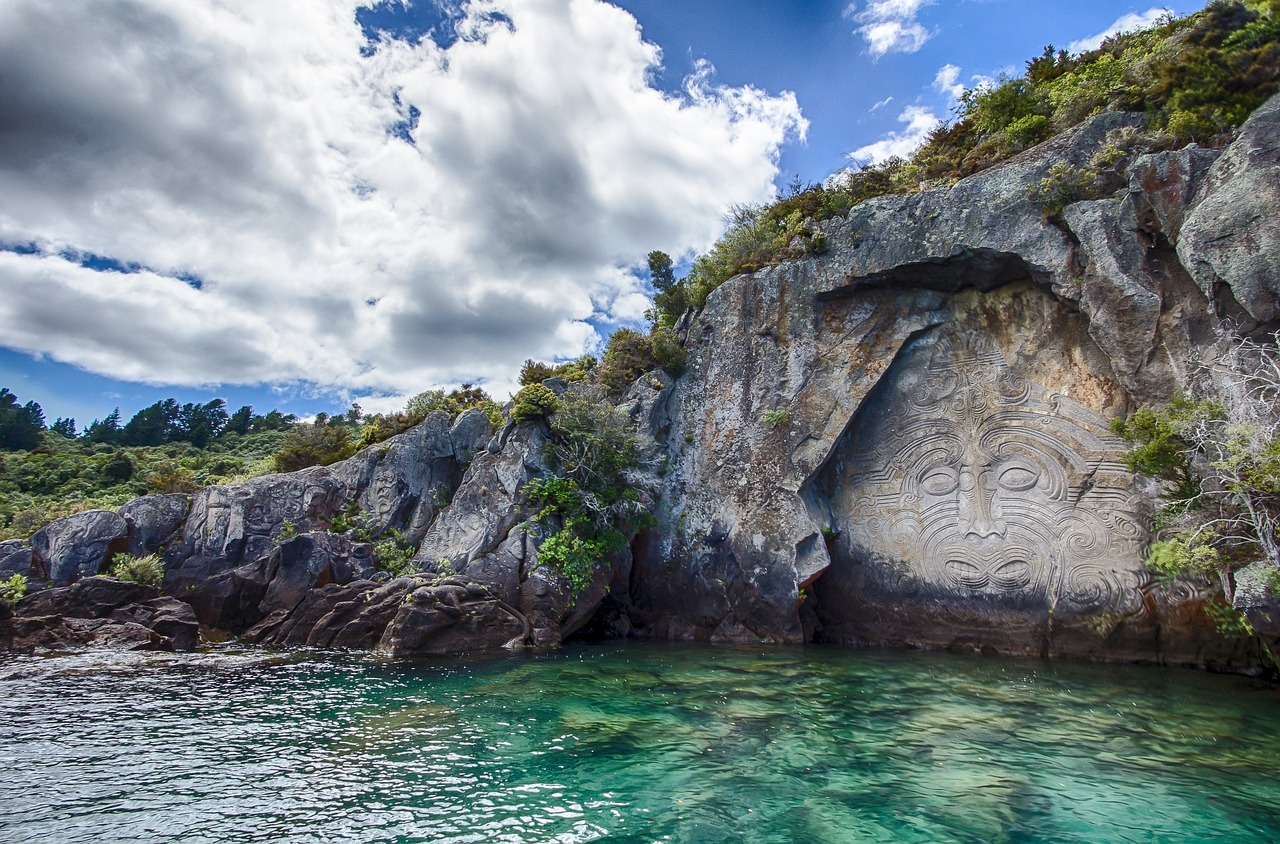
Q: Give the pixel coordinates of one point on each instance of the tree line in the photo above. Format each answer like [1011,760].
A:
[164,422]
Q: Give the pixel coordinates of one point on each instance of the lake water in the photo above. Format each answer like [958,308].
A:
[631,743]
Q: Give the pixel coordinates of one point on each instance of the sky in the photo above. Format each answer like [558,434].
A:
[307,203]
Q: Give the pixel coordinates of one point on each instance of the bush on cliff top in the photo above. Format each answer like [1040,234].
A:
[1195,78]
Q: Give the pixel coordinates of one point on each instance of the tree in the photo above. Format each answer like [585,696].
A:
[154,425]
[661,273]
[313,445]
[20,426]
[1219,453]
[240,420]
[65,427]
[106,430]
[199,423]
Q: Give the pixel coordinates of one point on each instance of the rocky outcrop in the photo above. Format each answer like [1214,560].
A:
[100,612]
[902,441]
[78,546]
[906,440]
[1231,236]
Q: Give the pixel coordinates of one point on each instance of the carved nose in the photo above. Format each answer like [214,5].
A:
[976,519]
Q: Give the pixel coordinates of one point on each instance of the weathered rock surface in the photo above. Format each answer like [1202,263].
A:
[1231,236]
[100,612]
[78,546]
[905,440]
[153,521]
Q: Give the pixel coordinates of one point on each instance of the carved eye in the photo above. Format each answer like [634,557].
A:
[1017,479]
[939,481]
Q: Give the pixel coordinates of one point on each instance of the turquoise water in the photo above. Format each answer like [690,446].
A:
[631,743]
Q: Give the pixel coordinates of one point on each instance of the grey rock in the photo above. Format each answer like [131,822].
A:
[1231,236]
[79,545]
[16,558]
[1161,187]
[402,483]
[487,505]
[154,520]
[452,616]
[100,612]
[91,597]
[237,523]
[470,433]
[168,617]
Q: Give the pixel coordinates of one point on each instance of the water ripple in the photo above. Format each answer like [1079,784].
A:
[630,743]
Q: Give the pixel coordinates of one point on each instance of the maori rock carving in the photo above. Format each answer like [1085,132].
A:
[973,482]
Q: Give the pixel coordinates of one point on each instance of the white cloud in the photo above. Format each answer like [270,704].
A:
[1128,23]
[947,81]
[920,122]
[881,104]
[890,26]
[251,145]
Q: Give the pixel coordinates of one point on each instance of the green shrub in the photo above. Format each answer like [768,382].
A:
[774,418]
[171,477]
[588,505]
[1061,186]
[147,569]
[667,351]
[628,356]
[314,444]
[394,554]
[534,402]
[12,590]
[288,530]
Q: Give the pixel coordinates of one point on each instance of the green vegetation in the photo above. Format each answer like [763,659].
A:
[1219,458]
[394,554]
[774,418]
[12,590]
[1195,78]
[588,506]
[147,569]
[535,372]
[380,427]
[534,402]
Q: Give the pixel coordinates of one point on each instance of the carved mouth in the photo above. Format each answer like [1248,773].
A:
[1006,577]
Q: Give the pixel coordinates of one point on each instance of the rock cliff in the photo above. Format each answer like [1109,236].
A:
[902,441]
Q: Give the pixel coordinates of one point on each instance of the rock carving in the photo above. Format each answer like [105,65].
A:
[978,482]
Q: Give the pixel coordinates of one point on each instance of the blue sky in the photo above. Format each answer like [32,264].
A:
[300,204]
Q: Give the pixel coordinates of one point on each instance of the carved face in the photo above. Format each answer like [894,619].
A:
[977,483]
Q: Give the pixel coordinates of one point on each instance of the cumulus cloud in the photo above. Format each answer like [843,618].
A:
[298,207]
[1131,22]
[920,122]
[890,26]
[947,81]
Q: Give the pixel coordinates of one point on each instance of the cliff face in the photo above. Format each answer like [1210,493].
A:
[906,440]
[903,441]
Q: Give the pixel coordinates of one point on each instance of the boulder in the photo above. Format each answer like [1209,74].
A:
[78,546]
[402,483]
[154,520]
[1231,235]
[100,612]
[236,524]
[168,617]
[1161,188]
[470,433]
[92,597]
[16,558]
